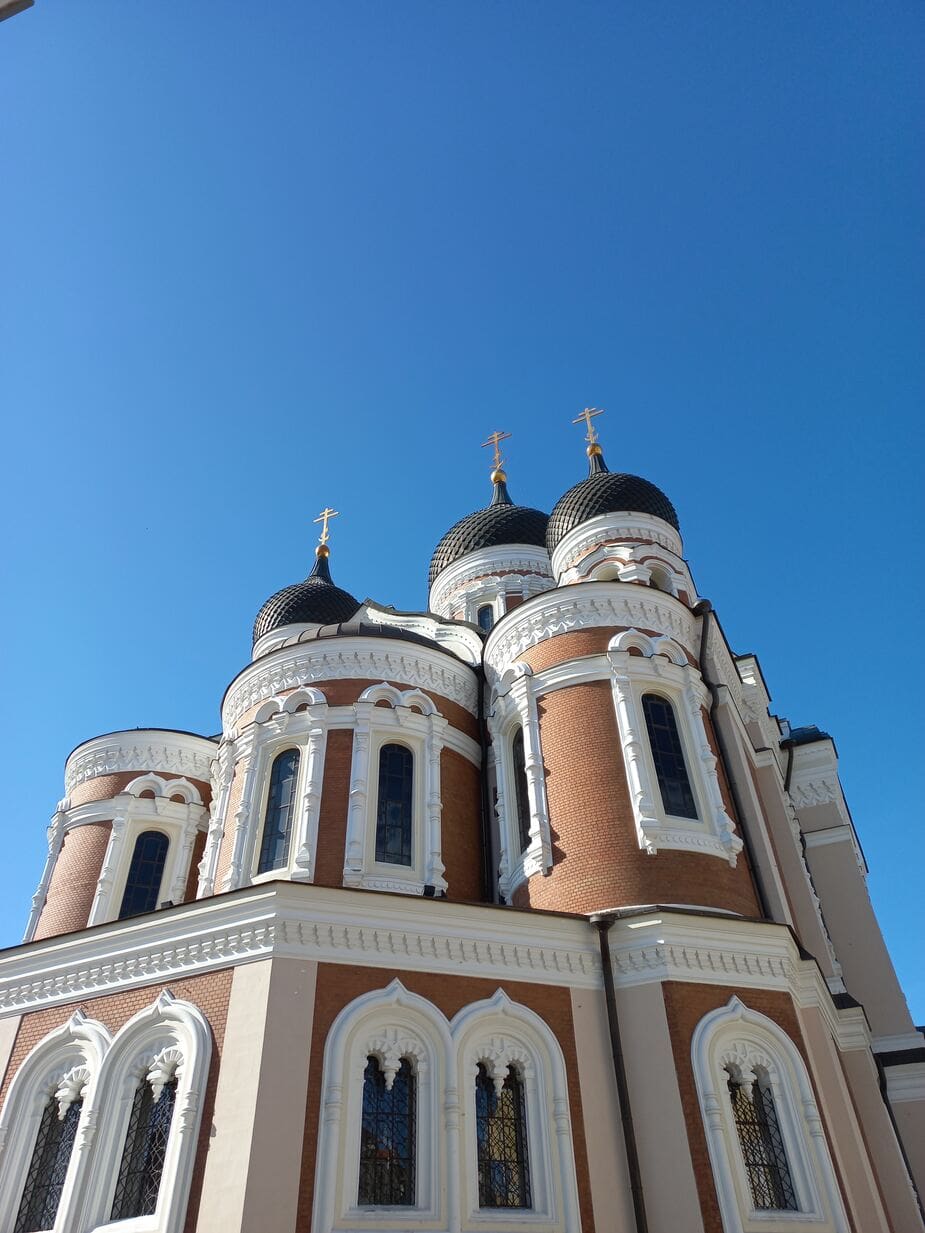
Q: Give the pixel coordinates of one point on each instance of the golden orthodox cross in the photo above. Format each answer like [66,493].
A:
[585,418]
[325,516]
[494,439]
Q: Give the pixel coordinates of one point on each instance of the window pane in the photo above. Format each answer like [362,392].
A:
[521,795]
[48,1168]
[504,1172]
[142,887]
[277,823]
[145,1149]
[762,1148]
[668,756]
[395,805]
[486,617]
[387,1139]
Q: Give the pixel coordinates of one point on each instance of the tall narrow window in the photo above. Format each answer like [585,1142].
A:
[521,795]
[762,1145]
[668,756]
[395,808]
[500,1121]
[486,617]
[48,1167]
[145,1148]
[143,884]
[387,1138]
[277,822]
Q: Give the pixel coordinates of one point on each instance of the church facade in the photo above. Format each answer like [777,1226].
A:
[522,914]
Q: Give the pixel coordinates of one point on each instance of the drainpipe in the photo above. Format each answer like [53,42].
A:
[602,922]
[703,609]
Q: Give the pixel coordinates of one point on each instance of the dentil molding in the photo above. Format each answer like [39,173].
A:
[349,658]
[586,605]
[141,749]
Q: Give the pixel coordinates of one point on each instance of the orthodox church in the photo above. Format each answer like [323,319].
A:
[521,914]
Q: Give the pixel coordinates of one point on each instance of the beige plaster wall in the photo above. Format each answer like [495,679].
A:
[611,1199]
[672,1203]
[910,1122]
[8,1029]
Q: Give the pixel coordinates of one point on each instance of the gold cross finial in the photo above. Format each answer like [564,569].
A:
[495,438]
[324,517]
[585,418]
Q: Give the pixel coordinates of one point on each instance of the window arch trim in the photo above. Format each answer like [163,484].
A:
[735,1035]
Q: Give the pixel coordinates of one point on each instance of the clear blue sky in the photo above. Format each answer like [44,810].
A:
[261,258]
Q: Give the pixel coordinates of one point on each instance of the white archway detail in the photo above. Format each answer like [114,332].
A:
[747,1041]
[165,787]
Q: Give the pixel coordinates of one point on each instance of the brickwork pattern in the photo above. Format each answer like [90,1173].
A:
[685,1006]
[461,789]
[332,818]
[209,993]
[338,985]
[584,642]
[597,861]
[105,787]
[74,880]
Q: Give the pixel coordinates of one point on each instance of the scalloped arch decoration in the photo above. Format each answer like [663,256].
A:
[168,788]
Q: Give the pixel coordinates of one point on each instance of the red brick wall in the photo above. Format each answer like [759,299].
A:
[597,861]
[685,1006]
[338,985]
[564,647]
[104,787]
[332,820]
[74,880]
[462,844]
[210,993]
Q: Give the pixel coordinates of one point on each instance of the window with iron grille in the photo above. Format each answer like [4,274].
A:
[143,884]
[395,808]
[521,795]
[48,1167]
[501,1133]
[387,1137]
[762,1146]
[277,822]
[668,757]
[145,1148]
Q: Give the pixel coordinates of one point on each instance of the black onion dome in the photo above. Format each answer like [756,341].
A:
[314,601]
[606,492]
[500,522]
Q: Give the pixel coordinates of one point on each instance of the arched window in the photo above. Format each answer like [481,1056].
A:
[668,757]
[48,1167]
[485,617]
[277,822]
[500,1126]
[395,808]
[387,1139]
[762,1143]
[145,1148]
[521,795]
[143,884]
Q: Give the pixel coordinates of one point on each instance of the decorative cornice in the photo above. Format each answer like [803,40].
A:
[586,605]
[141,749]
[349,658]
[358,927]
[809,792]
[611,528]
[516,558]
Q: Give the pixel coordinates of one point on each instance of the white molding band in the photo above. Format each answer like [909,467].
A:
[528,561]
[905,1084]
[613,528]
[350,658]
[587,605]
[142,749]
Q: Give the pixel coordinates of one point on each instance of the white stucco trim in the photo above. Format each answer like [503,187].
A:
[407,718]
[140,749]
[613,528]
[529,562]
[738,1036]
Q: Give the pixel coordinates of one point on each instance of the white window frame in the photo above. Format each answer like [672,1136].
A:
[735,1036]
[65,1064]
[390,1024]
[661,667]
[131,814]
[501,1033]
[298,720]
[169,1037]
[411,719]
[514,705]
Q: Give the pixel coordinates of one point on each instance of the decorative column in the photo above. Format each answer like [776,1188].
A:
[222,776]
[359,794]
[177,892]
[242,818]
[55,840]
[722,823]
[433,804]
[647,820]
[307,833]
[540,849]
[102,907]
